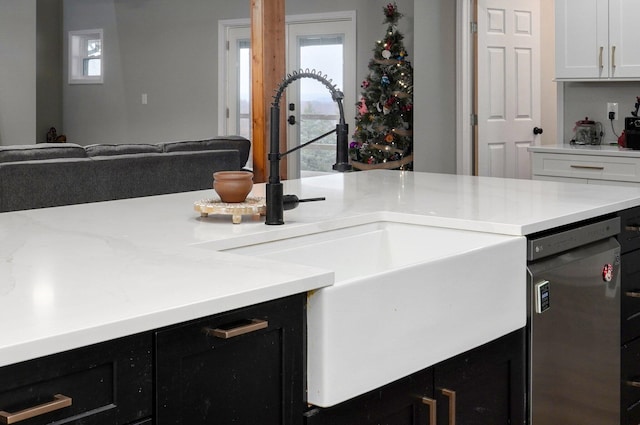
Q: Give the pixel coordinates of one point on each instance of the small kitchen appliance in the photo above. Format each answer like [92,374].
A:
[632,132]
[587,132]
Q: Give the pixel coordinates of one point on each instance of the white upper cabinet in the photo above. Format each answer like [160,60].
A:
[624,16]
[597,39]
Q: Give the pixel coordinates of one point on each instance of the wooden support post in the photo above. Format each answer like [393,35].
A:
[267,70]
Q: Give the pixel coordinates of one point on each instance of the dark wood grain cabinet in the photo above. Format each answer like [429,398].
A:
[629,239]
[241,367]
[482,386]
[246,366]
[399,403]
[108,383]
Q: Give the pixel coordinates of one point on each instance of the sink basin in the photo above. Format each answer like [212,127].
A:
[405,297]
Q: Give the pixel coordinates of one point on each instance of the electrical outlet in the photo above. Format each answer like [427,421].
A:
[612,107]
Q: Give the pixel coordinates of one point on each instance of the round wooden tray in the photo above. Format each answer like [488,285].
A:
[250,206]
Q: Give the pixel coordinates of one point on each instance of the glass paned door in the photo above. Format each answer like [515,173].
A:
[314,43]
[321,47]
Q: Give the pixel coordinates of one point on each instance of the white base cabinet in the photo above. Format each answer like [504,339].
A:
[597,165]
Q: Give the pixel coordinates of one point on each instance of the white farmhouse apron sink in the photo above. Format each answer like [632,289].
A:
[405,297]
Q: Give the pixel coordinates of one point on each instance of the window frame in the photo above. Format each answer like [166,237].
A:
[78,55]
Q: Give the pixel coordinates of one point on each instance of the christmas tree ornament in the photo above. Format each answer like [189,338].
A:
[386,54]
[362,106]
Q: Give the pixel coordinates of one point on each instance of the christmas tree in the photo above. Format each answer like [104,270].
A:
[383,137]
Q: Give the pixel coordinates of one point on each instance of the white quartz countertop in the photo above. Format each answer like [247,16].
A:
[604,150]
[76,275]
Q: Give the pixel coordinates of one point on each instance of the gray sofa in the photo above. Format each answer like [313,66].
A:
[54,174]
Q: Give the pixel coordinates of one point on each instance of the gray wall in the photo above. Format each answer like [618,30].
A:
[168,49]
[18,71]
[435,86]
[48,67]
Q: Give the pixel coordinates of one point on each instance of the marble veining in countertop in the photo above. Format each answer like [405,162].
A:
[75,275]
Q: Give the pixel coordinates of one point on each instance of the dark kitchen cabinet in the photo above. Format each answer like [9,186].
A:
[402,402]
[629,240]
[103,384]
[240,367]
[483,386]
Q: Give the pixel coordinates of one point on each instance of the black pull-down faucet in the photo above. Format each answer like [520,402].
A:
[275,204]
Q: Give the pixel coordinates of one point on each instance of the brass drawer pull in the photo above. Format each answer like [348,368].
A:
[634,384]
[451,395]
[632,294]
[632,228]
[432,409]
[587,167]
[60,401]
[237,329]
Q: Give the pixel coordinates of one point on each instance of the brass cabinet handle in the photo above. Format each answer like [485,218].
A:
[632,228]
[635,384]
[244,328]
[59,401]
[613,56]
[600,57]
[588,167]
[632,294]
[451,395]
[432,409]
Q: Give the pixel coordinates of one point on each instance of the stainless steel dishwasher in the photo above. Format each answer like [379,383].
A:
[574,325]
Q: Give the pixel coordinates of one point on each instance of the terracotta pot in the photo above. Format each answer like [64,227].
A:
[233,186]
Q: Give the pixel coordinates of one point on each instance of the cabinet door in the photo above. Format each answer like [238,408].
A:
[404,402]
[242,367]
[582,45]
[485,385]
[623,38]
[109,383]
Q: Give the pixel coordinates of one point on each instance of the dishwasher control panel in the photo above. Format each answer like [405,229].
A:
[543,295]
[564,240]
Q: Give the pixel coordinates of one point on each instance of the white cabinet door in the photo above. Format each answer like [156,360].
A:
[623,38]
[582,40]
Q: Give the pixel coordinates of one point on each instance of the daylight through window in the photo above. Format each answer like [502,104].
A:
[85,57]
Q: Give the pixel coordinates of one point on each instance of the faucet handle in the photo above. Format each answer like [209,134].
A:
[290,202]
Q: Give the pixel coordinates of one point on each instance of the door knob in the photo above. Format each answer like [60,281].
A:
[291,119]
[537,130]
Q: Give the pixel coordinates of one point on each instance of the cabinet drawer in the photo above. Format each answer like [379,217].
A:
[400,402]
[630,392]
[594,167]
[630,279]
[107,383]
[241,367]
[629,229]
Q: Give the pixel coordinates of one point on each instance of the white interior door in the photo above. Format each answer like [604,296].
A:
[508,88]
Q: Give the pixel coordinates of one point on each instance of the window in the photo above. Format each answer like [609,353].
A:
[85,57]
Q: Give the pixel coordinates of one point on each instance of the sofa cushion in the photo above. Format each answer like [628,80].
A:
[49,183]
[135,175]
[123,149]
[239,143]
[14,153]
